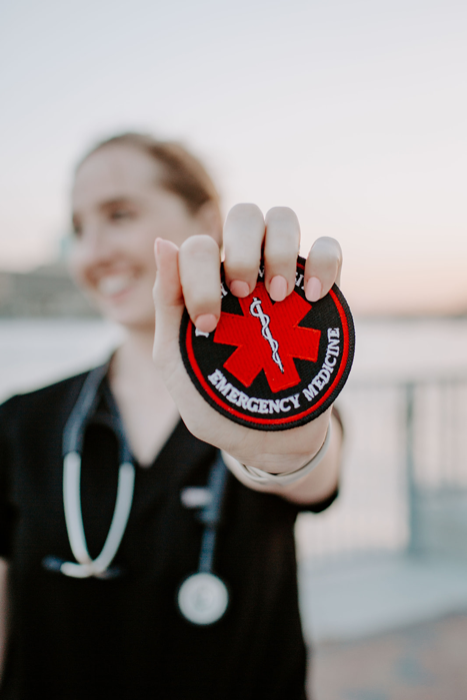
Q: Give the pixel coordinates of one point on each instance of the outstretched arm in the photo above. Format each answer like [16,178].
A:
[190,277]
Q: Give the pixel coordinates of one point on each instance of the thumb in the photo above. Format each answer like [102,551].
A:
[168,297]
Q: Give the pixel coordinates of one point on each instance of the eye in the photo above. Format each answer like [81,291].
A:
[120,214]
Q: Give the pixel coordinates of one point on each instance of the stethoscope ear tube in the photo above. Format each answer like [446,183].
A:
[72,505]
[74,519]
[73,435]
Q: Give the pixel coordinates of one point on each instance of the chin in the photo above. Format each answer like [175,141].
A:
[131,319]
[132,313]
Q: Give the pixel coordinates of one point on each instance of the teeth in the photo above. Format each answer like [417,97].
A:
[114,284]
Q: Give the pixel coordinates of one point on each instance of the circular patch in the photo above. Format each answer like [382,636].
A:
[272,365]
[203,598]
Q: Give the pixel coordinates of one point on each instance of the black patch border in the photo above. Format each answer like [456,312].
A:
[302,418]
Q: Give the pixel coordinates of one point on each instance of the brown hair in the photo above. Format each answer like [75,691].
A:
[183,173]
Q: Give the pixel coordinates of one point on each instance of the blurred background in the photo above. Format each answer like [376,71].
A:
[353,113]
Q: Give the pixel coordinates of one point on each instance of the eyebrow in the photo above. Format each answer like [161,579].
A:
[108,203]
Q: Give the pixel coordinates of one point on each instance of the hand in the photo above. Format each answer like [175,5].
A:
[190,277]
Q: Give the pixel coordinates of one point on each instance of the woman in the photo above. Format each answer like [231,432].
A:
[122,635]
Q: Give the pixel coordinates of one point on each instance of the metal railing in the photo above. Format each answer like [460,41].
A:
[404,482]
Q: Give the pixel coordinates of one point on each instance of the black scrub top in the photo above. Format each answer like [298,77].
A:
[124,638]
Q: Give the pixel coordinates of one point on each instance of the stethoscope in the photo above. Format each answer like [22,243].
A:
[202,597]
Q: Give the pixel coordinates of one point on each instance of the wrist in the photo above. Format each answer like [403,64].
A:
[259,476]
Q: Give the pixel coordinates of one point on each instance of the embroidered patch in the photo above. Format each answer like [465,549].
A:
[272,365]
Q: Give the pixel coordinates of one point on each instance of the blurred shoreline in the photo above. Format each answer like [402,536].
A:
[48,291]
[48,330]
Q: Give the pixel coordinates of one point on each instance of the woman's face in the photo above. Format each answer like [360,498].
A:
[119,209]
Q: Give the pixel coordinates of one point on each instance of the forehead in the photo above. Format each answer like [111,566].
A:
[113,172]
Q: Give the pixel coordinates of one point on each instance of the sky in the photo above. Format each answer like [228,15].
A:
[352,112]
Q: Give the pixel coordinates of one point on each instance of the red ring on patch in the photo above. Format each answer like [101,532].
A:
[272,365]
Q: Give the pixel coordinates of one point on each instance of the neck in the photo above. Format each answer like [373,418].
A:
[147,409]
[133,359]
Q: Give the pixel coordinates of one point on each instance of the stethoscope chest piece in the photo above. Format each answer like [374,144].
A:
[203,598]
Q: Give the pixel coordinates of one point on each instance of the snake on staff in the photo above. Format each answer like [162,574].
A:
[256,310]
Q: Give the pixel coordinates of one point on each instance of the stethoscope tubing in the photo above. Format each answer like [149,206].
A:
[202,585]
[73,436]
[74,520]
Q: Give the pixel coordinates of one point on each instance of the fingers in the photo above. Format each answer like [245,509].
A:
[186,277]
[323,268]
[281,249]
[190,276]
[245,232]
[243,239]
[167,292]
[167,288]
[199,261]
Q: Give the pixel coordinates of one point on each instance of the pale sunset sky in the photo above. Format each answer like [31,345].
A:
[352,112]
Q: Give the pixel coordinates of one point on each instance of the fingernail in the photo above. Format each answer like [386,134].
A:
[239,288]
[313,289]
[278,288]
[206,322]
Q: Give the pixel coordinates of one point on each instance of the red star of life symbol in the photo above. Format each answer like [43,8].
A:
[272,351]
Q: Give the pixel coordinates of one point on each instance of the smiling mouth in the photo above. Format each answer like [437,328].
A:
[111,285]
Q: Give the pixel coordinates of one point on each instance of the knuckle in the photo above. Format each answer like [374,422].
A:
[323,263]
[281,215]
[281,256]
[241,267]
[201,289]
[286,239]
[245,212]
[243,235]
[282,253]
[282,236]
[199,245]
[202,300]
[327,247]
[325,267]
[284,242]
